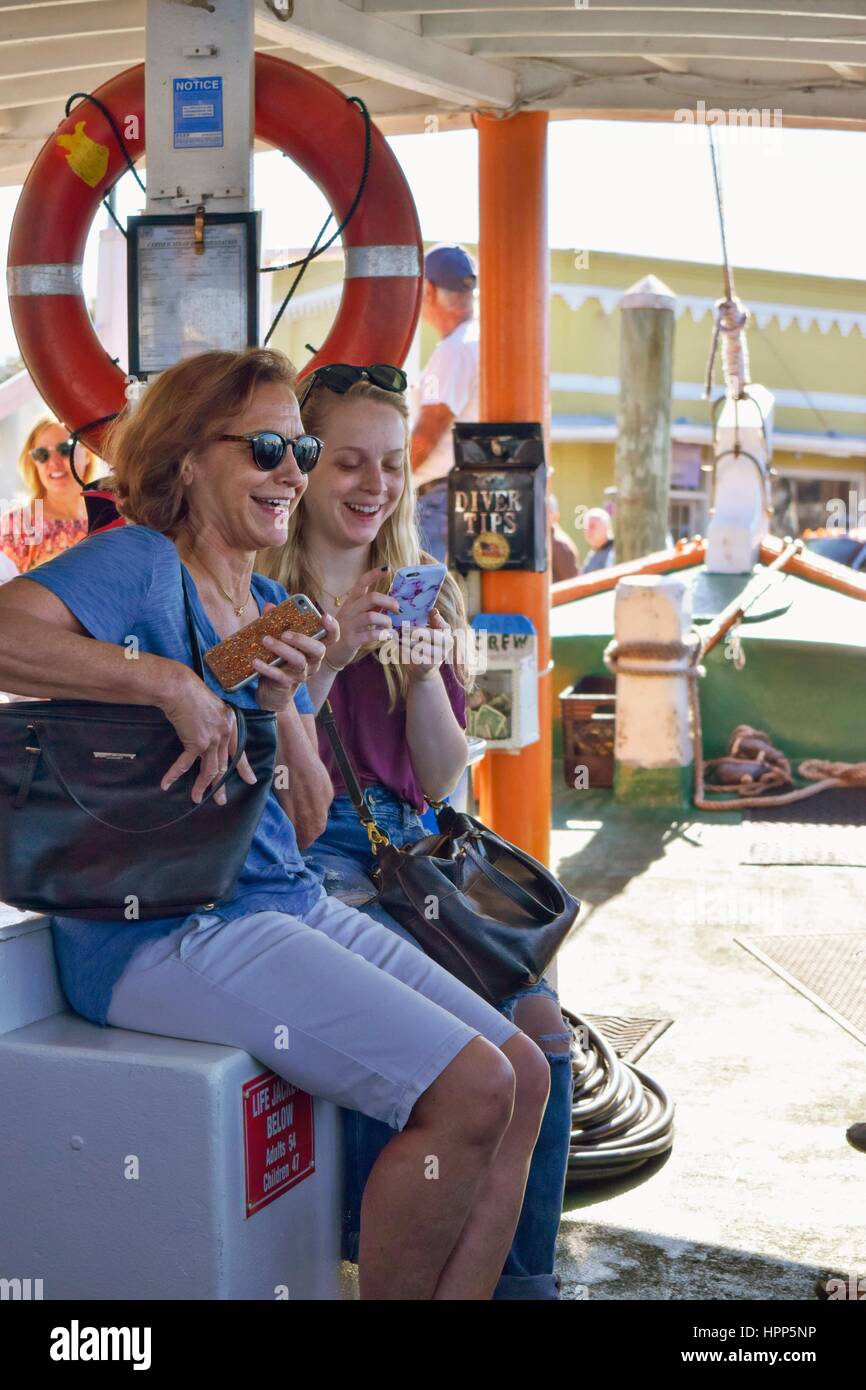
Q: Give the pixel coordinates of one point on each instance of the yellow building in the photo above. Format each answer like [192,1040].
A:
[806,344]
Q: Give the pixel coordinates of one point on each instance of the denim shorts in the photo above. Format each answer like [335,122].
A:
[334,1003]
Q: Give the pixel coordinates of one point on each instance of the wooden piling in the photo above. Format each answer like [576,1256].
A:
[643,447]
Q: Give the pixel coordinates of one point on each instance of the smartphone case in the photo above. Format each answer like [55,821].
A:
[231,661]
[416,588]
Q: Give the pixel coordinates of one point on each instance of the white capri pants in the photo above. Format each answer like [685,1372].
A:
[336,1003]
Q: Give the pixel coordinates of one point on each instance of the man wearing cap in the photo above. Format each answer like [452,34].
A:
[448,389]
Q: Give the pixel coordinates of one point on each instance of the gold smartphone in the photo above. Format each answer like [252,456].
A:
[231,660]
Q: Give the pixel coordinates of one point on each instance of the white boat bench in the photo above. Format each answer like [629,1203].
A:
[134,1166]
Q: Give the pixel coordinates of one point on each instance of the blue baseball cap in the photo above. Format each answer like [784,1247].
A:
[451,268]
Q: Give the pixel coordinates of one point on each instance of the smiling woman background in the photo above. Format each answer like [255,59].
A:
[30,534]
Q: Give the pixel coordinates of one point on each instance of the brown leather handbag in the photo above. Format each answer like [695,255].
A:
[485,910]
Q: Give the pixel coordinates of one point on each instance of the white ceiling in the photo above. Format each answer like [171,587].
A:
[414,59]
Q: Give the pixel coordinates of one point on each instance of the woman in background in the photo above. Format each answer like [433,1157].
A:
[55,518]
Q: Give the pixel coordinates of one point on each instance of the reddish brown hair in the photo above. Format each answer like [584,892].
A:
[182,411]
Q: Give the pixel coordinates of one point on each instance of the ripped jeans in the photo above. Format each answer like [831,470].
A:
[343,852]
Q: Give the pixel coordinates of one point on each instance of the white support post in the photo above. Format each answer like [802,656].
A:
[653,761]
[195,45]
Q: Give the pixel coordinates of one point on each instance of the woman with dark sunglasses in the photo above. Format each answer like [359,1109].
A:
[208,469]
[403,727]
[55,517]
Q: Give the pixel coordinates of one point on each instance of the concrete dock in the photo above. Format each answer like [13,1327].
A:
[761,1193]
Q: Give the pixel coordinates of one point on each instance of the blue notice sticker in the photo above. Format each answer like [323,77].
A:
[198,113]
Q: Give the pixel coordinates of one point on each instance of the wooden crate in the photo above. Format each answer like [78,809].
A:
[588,713]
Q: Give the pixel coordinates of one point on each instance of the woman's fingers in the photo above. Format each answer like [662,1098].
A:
[332,630]
[178,768]
[223,758]
[208,772]
[363,584]
[243,768]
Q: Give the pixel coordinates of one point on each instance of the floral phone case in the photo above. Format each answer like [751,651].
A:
[416,588]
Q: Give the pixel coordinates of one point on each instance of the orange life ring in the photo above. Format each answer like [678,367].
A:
[299,113]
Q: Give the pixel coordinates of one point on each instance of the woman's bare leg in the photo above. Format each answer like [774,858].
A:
[475,1264]
[422,1187]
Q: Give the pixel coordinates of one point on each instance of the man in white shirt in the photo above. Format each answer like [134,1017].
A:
[448,389]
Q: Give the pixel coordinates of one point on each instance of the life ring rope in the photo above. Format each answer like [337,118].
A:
[298,112]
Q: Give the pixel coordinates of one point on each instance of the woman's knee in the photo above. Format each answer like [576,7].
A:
[531,1073]
[540,1018]
[474,1095]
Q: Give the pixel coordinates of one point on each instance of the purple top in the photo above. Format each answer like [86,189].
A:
[374,739]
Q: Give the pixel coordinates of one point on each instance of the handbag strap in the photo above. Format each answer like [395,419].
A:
[515,891]
[195,644]
[325,718]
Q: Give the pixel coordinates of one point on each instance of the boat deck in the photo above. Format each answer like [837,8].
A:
[761,1193]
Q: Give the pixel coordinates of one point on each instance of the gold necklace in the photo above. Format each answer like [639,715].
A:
[338,598]
[237,611]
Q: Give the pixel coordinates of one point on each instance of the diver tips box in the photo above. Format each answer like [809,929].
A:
[497,512]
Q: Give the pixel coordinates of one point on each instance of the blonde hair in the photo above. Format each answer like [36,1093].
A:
[26,466]
[397,542]
[181,412]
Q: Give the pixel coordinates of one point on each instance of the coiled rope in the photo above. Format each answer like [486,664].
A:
[621,1117]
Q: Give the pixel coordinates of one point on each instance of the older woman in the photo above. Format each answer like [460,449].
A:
[208,469]
[56,517]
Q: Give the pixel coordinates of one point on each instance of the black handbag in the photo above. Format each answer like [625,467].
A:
[485,910]
[67,766]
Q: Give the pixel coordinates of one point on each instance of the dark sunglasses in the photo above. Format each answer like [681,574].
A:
[42,455]
[269,449]
[340,376]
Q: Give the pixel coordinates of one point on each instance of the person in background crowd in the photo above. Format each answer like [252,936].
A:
[448,389]
[56,517]
[597,530]
[402,723]
[565,561]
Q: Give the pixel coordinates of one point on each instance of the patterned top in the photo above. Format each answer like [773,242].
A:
[28,539]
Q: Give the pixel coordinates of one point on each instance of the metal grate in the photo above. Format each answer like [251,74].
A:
[630,1038]
[828,970]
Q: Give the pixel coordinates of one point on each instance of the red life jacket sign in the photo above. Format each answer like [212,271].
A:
[279,1149]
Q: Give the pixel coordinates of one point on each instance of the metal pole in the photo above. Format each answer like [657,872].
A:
[643,446]
[515,788]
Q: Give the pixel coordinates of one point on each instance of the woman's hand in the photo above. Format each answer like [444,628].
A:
[208,731]
[428,648]
[364,617]
[302,656]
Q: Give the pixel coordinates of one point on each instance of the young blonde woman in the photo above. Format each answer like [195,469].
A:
[401,714]
[55,518]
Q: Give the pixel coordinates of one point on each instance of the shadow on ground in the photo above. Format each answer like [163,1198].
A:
[612,1262]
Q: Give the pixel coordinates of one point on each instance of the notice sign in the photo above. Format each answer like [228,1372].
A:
[278,1138]
[198,113]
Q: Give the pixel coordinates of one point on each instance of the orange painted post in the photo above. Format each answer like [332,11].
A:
[515,788]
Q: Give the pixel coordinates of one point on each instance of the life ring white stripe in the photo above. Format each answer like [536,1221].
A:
[63,277]
[362,261]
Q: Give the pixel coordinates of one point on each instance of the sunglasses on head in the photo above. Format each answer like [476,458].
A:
[269,449]
[340,376]
[42,455]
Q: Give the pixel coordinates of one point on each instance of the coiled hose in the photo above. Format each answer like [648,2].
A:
[620,1119]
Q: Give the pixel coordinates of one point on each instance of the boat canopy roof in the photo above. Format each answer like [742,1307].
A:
[429,64]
